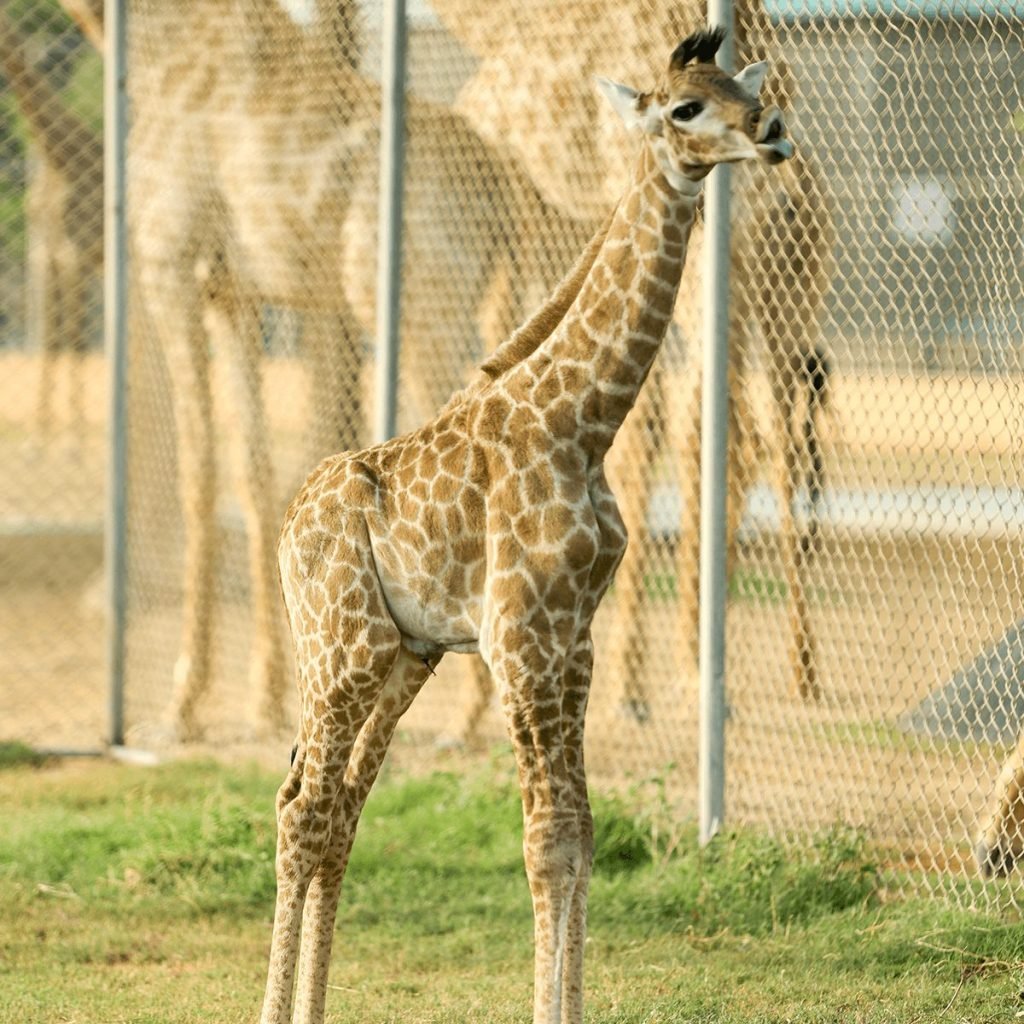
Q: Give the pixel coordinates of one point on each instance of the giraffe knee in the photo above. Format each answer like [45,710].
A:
[555,857]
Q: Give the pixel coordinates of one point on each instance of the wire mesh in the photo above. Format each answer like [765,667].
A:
[875,527]
[52,383]
[907,539]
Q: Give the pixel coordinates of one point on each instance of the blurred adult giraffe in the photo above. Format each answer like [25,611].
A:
[64,213]
[781,255]
[253,169]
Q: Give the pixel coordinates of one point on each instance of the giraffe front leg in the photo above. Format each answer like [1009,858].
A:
[187,350]
[232,322]
[478,703]
[530,672]
[574,708]
[802,654]
[635,453]
[686,440]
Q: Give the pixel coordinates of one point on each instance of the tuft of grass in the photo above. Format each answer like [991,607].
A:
[183,836]
[743,883]
[622,839]
[199,840]
[14,754]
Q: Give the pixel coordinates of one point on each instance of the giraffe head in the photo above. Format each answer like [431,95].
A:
[699,115]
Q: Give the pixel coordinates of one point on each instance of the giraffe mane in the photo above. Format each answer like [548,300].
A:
[700,47]
[527,338]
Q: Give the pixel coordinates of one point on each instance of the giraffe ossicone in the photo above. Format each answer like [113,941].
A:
[493,528]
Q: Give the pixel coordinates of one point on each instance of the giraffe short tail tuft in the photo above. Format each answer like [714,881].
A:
[817,373]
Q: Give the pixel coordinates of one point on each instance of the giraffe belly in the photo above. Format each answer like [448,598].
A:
[430,616]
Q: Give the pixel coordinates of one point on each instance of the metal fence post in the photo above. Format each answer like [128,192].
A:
[115,124]
[714,427]
[389,265]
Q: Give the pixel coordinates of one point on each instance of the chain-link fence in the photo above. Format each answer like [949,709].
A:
[52,379]
[875,463]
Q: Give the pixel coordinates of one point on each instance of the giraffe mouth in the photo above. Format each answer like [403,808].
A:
[770,142]
[775,152]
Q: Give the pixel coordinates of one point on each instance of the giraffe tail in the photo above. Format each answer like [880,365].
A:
[817,373]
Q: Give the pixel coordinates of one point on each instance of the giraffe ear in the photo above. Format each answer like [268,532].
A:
[636,109]
[751,78]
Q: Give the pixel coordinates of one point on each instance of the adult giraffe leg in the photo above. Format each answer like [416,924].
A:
[232,322]
[186,348]
[793,551]
[792,255]
[333,342]
[742,453]
[634,462]
[76,280]
[44,322]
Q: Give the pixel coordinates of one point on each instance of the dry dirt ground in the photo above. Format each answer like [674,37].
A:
[895,616]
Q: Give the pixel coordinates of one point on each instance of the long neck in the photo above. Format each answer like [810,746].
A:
[601,352]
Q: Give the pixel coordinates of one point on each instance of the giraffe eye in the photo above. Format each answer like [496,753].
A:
[686,111]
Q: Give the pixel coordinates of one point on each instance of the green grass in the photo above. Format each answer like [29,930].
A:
[140,895]
[19,755]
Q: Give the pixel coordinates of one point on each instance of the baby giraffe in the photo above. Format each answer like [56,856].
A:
[493,529]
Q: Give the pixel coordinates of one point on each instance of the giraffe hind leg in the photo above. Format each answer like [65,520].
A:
[231,320]
[404,683]
[347,651]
